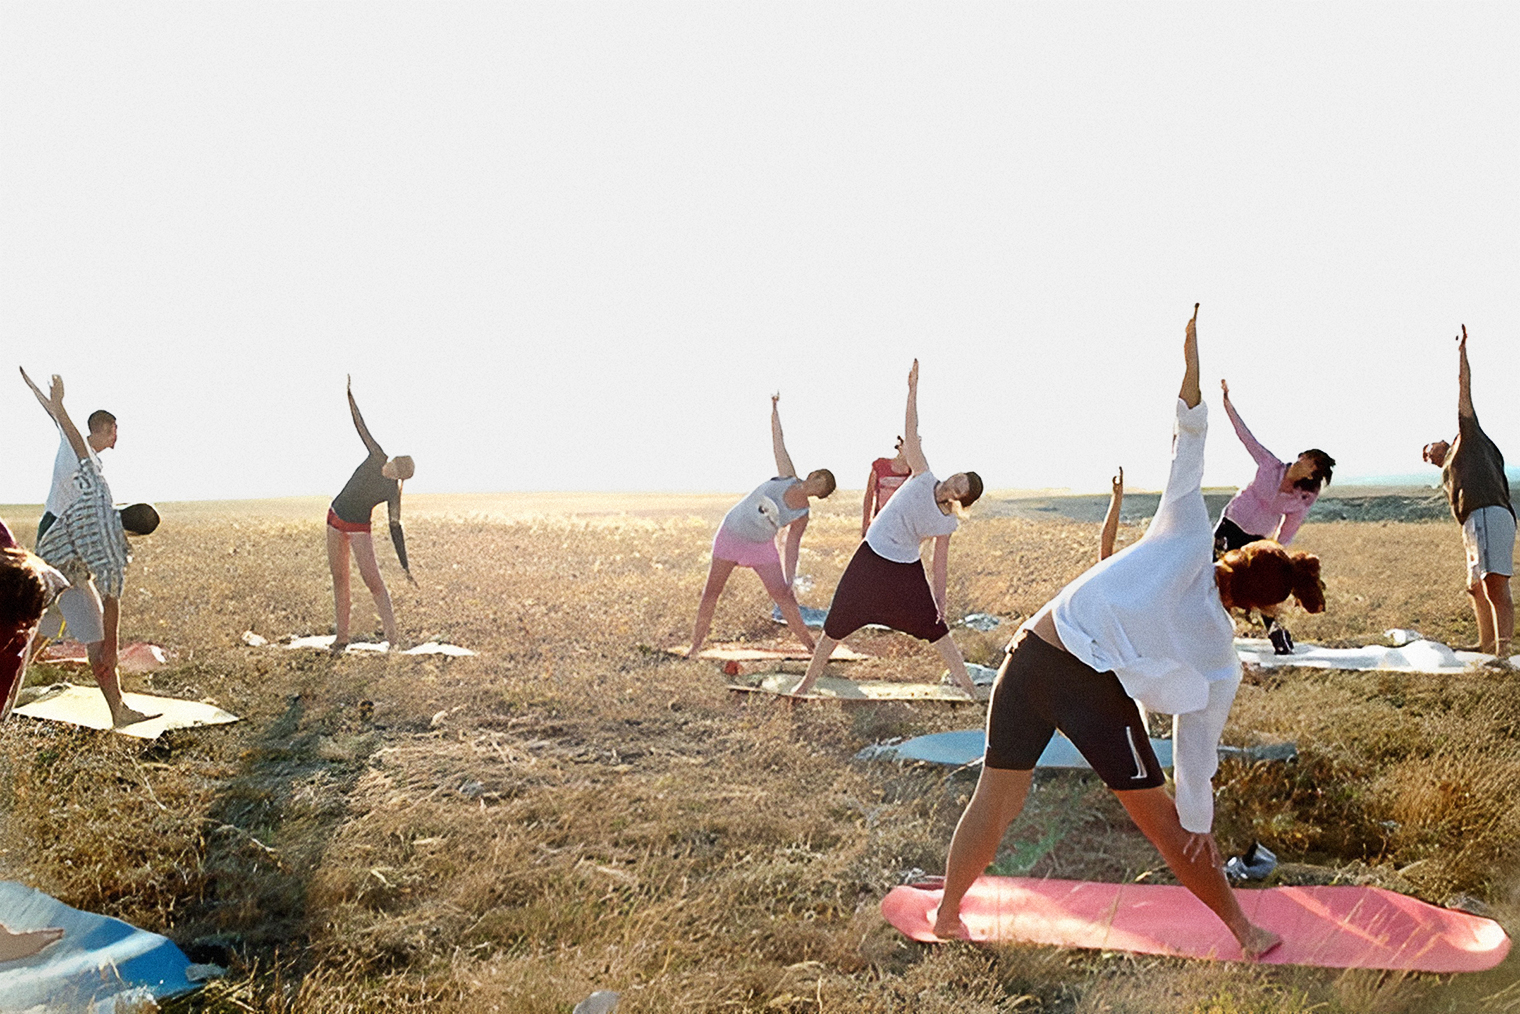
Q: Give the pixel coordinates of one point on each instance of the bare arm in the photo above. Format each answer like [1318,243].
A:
[784,467]
[1190,393]
[52,403]
[913,451]
[1464,378]
[353,408]
[941,572]
[1111,520]
[868,507]
[793,548]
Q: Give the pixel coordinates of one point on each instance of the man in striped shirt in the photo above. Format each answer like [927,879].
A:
[89,546]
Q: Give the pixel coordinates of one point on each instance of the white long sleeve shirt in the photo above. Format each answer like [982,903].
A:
[1151,614]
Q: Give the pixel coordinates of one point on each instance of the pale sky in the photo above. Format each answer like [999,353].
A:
[576,246]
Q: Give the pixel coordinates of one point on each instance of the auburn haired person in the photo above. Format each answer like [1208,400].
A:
[1150,624]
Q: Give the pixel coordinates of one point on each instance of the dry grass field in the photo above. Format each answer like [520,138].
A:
[573,810]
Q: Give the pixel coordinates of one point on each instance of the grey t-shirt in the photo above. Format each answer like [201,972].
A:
[747,521]
[1473,472]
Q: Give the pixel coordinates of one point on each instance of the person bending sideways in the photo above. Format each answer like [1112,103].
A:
[885,581]
[1150,624]
[1472,472]
[887,476]
[27,585]
[1272,505]
[378,480]
[88,544]
[747,538]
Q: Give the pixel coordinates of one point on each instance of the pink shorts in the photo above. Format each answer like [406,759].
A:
[754,555]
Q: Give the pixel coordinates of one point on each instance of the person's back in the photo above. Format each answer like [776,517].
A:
[1473,472]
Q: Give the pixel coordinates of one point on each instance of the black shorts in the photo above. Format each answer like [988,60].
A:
[1041,689]
[873,589]
[1228,535]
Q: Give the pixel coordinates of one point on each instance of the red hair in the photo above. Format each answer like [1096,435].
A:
[1263,573]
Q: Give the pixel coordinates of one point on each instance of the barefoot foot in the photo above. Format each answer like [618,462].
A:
[947,924]
[129,716]
[1258,941]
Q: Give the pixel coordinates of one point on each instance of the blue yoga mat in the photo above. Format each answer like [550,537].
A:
[98,959]
[955,749]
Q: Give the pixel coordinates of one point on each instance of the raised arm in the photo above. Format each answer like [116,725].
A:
[784,468]
[52,403]
[1190,393]
[1464,378]
[1111,520]
[1258,453]
[913,451]
[353,408]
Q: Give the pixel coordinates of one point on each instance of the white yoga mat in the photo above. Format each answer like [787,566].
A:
[85,706]
[101,964]
[1416,656]
[324,642]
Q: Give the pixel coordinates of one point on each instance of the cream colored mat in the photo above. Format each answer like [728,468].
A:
[85,706]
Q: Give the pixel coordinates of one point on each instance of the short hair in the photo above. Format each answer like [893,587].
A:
[405,466]
[139,519]
[973,489]
[23,592]
[1263,573]
[1324,467]
[100,420]
[829,485]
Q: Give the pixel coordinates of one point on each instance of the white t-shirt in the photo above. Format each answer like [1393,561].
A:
[911,516]
[1151,614]
[748,521]
[65,467]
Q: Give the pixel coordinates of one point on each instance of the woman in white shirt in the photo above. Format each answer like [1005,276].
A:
[1149,624]
[885,581]
[747,538]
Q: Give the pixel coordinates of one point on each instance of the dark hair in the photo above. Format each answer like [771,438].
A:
[100,420]
[829,484]
[139,519]
[973,489]
[23,593]
[1262,573]
[1324,465]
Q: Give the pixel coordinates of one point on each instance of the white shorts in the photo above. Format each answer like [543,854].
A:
[1488,535]
[82,614]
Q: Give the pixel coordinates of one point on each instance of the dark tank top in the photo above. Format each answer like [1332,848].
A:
[365,488]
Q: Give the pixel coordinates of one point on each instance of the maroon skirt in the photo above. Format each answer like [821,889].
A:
[874,589]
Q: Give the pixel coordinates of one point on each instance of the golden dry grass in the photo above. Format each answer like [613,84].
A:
[573,810]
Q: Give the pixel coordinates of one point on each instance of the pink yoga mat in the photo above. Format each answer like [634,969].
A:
[1332,927]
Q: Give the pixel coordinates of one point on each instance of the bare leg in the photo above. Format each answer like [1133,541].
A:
[717,577]
[820,659]
[1154,812]
[15,946]
[369,569]
[951,653]
[776,584]
[1496,592]
[998,798]
[337,562]
[1485,616]
[103,664]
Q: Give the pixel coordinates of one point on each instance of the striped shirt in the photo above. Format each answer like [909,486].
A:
[87,540]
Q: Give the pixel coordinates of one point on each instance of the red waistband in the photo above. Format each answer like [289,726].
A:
[346,526]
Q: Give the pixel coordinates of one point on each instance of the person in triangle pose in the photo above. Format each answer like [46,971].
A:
[1150,624]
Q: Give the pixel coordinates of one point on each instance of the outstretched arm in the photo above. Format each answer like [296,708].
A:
[1190,393]
[52,403]
[869,504]
[784,469]
[353,408]
[1111,521]
[912,449]
[398,537]
[1464,378]
[1258,453]
[941,573]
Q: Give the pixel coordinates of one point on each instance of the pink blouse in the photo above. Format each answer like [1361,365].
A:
[1262,508]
